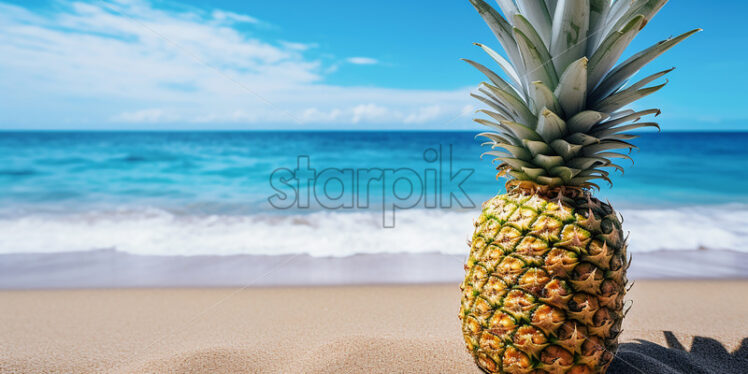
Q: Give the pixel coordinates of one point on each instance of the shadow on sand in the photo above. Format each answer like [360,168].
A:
[706,356]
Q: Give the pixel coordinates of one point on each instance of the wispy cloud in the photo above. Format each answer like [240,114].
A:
[221,15]
[144,116]
[362,60]
[90,64]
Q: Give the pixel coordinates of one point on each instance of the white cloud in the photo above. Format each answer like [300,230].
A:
[221,15]
[316,115]
[144,116]
[369,113]
[467,110]
[298,46]
[362,60]
[423,115]
[117,64]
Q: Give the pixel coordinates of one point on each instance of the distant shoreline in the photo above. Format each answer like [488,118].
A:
[113,269]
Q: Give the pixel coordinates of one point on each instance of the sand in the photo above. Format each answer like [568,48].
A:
[375,329]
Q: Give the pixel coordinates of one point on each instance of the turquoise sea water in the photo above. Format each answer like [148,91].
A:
[148,191]
[223,168]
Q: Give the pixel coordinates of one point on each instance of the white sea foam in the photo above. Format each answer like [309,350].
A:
[158,232]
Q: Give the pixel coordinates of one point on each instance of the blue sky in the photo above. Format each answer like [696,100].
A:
[312,65]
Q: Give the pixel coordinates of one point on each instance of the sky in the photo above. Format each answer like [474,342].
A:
[350,65]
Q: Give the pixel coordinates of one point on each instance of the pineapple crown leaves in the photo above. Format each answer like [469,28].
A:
[559,113]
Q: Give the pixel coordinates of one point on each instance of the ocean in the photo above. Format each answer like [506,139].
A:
[232,193]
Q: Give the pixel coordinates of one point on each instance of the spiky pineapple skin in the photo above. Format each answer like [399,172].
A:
[544,285]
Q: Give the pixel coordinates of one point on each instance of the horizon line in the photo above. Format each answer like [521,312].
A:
[335,130]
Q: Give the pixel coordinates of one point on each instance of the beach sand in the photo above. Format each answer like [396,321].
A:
[673,327]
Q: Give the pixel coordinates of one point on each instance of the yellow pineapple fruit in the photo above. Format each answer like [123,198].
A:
[545,283]
[546,275]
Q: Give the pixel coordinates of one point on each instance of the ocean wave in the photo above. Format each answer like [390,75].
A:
[152,231]
[18,172]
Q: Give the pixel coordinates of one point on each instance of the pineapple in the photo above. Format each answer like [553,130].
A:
[546,274]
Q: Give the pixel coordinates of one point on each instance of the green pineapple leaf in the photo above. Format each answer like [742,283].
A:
[496,106]
[560,106]
[583,121]
[501,29]
[550,125]
[617,77]
[625,97]
[495,79]
[569,33]
[504,64]
[598,14]
[572,89]
[537,13]
[543,97]
[634,116]
[610,51]
[511,101]
[535,66]
[537,147]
